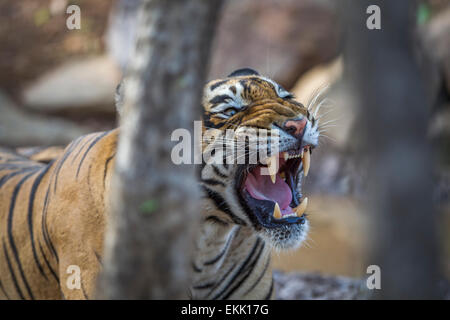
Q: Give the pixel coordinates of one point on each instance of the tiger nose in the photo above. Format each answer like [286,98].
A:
[295,127]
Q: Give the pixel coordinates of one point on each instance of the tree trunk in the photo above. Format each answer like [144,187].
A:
[154,202]
[394,110]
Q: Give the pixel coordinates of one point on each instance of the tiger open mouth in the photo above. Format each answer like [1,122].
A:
[271,191]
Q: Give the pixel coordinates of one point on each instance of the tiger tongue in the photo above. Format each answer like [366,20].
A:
[261,187]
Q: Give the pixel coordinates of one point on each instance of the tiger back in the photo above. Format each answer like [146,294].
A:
[52,217]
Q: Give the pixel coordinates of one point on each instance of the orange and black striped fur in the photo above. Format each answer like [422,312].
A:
[53,215]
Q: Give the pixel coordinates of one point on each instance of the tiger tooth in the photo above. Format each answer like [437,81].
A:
[272,164]
[301,208]
[277,211]
[286,156]
[301,154]
[273,177]
[306,162]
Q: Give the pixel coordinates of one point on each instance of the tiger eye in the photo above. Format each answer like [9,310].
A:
[230,112]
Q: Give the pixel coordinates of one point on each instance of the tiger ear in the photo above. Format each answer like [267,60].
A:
[243,72]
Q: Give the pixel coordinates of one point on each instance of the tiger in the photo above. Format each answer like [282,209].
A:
[53,214]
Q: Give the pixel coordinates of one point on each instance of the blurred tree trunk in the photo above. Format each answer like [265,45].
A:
[154,202]
[394,108]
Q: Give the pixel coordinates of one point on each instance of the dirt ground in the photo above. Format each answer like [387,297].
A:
[336,243]
[339,238]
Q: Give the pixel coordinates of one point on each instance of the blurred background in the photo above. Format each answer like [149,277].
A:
[57,84]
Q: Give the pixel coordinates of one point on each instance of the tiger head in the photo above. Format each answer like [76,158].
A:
[257,182]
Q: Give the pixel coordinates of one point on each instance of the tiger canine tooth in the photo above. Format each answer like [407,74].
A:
[301,208]
[273,177]
[306,162]
[286,155]
[272,166]
[277,211]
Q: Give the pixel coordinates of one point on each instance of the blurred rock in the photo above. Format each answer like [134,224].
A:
[438,5]
[19,128]
[314,286]
[84,86]
[437,41]
[439,131]
[280,39]
[35,39]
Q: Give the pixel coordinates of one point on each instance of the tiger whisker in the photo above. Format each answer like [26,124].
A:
[323,115]
[317,109]
[316,94]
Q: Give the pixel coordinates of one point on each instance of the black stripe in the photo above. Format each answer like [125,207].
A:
[84,291]
[222,205]
[216,219]
[249,271]
[105,170]
[10,232]
[62,160]
[8,176]
[195,268]
[243,83]
[99,259]
[13,276]
[216,171]
[222,279]
[34,187]
[48,263]
[269,294]
[47,239]
[209,124]
[242,267]
[88,139]
[213,182]
[89,148]
[204,286]
[217,84]
[260,277]
[223,251]
[219,99]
